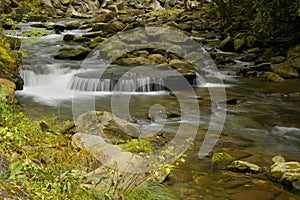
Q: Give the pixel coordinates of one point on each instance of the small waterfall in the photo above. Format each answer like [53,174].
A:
[139,84]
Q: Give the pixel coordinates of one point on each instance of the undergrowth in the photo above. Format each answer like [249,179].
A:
[43,160]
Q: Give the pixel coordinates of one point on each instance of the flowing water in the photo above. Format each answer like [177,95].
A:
[262,122]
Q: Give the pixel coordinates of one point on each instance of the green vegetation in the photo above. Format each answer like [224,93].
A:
[42,160]
[267,18]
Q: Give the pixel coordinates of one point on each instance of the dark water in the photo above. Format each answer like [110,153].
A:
[263,123]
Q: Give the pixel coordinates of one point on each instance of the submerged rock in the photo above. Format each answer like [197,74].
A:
[288,173]
[245,167]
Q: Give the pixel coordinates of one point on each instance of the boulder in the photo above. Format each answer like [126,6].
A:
[239,42]
[158,58]
[288,173]
[107,125]
[73,53]
[293,55]
[68,37]
[72,25]
[104,16]
[48,8]
[59,28]
[109,27]
[180,65]
[244,167]
[285,70]
[221,160]
[134,61]
[273,77]
[227,44]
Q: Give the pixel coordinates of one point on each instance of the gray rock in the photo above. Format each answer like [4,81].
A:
[227,44]
[4,168]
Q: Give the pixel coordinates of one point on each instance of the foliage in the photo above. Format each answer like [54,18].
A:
[269,18]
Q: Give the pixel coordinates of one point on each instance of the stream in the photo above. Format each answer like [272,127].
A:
[262,123]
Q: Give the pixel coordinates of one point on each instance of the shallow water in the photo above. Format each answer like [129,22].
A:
[263,123]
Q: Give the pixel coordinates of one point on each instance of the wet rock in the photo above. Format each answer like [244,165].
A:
[134,61]
[278,159]
[72,25]
[293,55]
[158,58]
[95,42]
[4,168]
[81,39]
[277,59]
[285,70]
[288,173]
[273,77]
[221,160]
[244,167]
[68,37]
[48,8]
[59,28]
[179,65]
[227,44]
[251,41]
[73,53]
[8,87]
[239,42]
[104,16]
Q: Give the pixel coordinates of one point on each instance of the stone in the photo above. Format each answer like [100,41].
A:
[285,70]
[134,61]
[48,8]
[278,159]
[73,53]
[179,65]
[273,77]
[59,28]
[293,55]
[239,42]
[288,173]
[104,16]
[221,160]
[277,59]
[72,25]
[107,125]
[251,41]
[68,37]
[244,167]
[69,127]
[227,44]
[158,58]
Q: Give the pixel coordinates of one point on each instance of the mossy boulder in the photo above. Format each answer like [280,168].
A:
[221,160]
[73,53]
[285,70]
[288,173]
[181,65]
[271,76]
[244,167]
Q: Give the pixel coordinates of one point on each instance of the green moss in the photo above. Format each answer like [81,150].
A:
[221,160]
